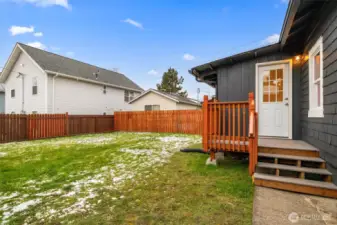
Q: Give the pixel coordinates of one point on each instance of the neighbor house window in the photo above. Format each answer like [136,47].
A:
[128,96]
[104,89]
[13,93]
[152,107]
[34,86]
[316,80]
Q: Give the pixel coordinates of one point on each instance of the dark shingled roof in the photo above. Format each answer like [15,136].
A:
[56,63]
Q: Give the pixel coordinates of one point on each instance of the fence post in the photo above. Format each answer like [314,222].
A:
[205,125]
[66,124]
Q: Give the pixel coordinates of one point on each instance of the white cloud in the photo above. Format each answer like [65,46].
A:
[37,44]
[16,30]
[47,3]
[271,39]
[38,34]
[188,57]
[70,54]
[134,23]
[153,72]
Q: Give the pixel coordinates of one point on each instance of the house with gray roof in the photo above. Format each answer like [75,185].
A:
[37,81]
[152,99]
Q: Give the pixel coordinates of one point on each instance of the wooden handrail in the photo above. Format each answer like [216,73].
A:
[253,135]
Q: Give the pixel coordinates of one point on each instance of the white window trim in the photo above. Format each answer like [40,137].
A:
[315,111]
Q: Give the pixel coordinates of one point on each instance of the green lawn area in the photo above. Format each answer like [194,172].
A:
[120,178]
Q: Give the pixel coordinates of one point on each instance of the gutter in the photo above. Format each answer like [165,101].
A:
[92,81]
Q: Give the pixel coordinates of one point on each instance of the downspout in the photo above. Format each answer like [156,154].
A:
[54,91]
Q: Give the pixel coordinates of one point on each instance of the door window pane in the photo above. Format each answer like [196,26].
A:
[279,84]
[273,86]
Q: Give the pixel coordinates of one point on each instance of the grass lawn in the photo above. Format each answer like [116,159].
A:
[120,178]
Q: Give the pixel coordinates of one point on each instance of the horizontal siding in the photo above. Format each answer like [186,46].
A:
[322,132]
[236,81]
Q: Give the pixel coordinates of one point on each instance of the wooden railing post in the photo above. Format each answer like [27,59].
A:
[205,125]
[252,134]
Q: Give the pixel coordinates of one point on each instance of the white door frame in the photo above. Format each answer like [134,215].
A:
[290,90]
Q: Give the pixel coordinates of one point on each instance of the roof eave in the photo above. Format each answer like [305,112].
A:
[288,20]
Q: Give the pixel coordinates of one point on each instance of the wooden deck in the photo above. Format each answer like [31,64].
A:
[285,144]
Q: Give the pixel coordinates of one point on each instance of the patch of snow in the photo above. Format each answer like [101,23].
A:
[173,139]
[13,195]
[80,206]
[19,208]
[49,193]
[94,140]
[137,151]
[3,154]
[69,194]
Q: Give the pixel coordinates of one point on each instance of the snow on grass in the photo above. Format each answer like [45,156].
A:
[3,154]
[19,208]
[100,162]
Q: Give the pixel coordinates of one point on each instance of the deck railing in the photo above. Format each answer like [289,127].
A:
[230,126]
[253,135]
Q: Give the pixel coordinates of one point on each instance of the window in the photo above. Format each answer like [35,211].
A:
[316,80]
[34,112]
[273,86]
[128,96]
[13,93]
[34,86]
[152,107]
[104,89]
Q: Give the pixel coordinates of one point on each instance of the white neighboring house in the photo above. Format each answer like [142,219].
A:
[38,81]
[158,100]
[2,98]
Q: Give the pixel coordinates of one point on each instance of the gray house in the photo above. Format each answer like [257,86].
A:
[295,86]
[2,98]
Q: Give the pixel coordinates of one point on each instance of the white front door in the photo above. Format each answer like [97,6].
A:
[273,97]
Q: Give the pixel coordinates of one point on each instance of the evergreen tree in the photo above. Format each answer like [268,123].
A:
[171,83]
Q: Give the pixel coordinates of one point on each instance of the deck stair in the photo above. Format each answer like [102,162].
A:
[293,166]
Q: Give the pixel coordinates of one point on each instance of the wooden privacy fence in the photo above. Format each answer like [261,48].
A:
[168,121]
[84,124]
[14,127]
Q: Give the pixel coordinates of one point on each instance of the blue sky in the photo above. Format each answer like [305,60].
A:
[142,38]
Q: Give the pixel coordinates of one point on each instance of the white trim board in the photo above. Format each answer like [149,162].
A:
[290,89]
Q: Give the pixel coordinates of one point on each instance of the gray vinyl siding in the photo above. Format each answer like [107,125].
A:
[236,81]
[322,132]
[2,102]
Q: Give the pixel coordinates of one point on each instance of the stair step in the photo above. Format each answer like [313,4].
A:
[296,181]
[291,157]
[294,168]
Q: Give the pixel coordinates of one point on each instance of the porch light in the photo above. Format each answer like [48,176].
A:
[298,58]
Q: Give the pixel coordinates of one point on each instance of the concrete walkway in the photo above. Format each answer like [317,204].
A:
[282,208]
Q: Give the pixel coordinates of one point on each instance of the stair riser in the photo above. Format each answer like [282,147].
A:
[294,174]
[292,162]
[296,188]
[293,152]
